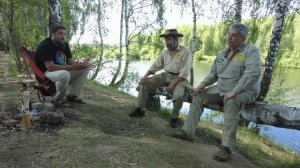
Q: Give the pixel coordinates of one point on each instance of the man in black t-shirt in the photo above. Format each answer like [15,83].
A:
[54,59]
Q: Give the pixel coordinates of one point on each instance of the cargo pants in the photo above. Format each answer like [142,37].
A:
[164,79]
[231,113]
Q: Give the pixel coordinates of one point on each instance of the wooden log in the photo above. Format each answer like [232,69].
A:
[258,112]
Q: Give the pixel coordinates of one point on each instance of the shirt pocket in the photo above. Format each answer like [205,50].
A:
[236,69]
[176,66]
[220,67]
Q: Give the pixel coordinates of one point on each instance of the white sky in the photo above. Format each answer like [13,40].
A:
[172,15]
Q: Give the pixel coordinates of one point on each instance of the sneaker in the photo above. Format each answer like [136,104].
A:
[138,112]
[183,136]
[173,122]
[223,155]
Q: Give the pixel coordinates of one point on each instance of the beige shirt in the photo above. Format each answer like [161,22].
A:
[178,62]
[238,74]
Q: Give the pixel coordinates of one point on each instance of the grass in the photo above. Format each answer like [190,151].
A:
[256,148]
[100,134]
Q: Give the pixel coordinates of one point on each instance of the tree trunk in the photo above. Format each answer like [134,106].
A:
[238,11]
[125,72]
[2,44]
[262,113]
[40,17]
[27,24]
[112,83]
[280,15]
[194,42]
[3,56]
[259,112]
[99,61]
[12,41]
[55,15]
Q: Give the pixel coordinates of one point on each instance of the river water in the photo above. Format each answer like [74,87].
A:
[285,137]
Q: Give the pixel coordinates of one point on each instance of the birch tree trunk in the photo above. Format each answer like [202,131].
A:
[3,56]
[2,44]
[120,46]
[27,24]
[40,17]
[99,20]
[238,11]
[12,41]
[55,15]
[126,18]
[194,42]
[280,15]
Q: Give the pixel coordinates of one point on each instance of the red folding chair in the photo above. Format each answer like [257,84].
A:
[45,87]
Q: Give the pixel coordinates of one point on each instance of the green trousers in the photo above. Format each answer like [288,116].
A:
[160,80]
[231,113]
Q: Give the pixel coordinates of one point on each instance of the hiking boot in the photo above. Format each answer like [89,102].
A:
[223,155]
[138,112]
[183,136]
[74,99]
[60,103]
[173,122]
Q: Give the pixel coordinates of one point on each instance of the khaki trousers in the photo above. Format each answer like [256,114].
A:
[63,78]
[231,113]
[160,80]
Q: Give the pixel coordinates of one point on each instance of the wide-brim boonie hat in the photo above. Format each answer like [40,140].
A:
[171,32]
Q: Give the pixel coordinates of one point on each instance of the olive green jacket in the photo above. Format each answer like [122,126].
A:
[238,74]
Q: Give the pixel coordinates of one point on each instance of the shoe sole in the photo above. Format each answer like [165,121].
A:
[189,139]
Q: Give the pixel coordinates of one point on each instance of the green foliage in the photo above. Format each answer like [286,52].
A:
[278,93]
[85,51]
[212,38]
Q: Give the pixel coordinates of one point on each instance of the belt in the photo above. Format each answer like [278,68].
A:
[172,73]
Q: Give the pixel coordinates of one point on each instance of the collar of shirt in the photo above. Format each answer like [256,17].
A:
[241,48]
[176,50]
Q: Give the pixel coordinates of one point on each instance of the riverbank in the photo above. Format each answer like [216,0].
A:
[100,134]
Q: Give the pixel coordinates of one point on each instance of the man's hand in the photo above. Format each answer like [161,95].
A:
[143,80]
[228,96]
[87,65]
[199,89]
[171,87]
[75,66]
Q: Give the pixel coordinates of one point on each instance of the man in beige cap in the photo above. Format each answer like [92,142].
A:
[176,61]
[236,70]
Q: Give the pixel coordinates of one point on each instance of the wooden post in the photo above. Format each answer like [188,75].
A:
[25,102]
[25,109]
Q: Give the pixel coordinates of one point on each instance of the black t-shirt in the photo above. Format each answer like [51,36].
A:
[47,51]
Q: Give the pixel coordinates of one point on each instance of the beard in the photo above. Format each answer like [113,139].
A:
[60,44]
[172,47]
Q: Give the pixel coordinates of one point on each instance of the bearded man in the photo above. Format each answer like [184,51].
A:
[176,61]
[54,58]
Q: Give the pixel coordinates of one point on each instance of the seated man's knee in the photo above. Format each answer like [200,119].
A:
[198,99]
[64,75]
[231,102]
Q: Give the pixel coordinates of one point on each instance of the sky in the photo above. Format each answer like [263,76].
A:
[172,15]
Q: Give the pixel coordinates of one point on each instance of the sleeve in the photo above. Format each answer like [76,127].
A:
[44,53]
[253,70]
[68,51]
[212,77]
[158,64]
[186,62]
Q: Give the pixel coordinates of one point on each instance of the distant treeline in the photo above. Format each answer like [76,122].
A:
[212,38]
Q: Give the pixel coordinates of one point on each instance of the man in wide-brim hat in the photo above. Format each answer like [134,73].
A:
[176,61]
